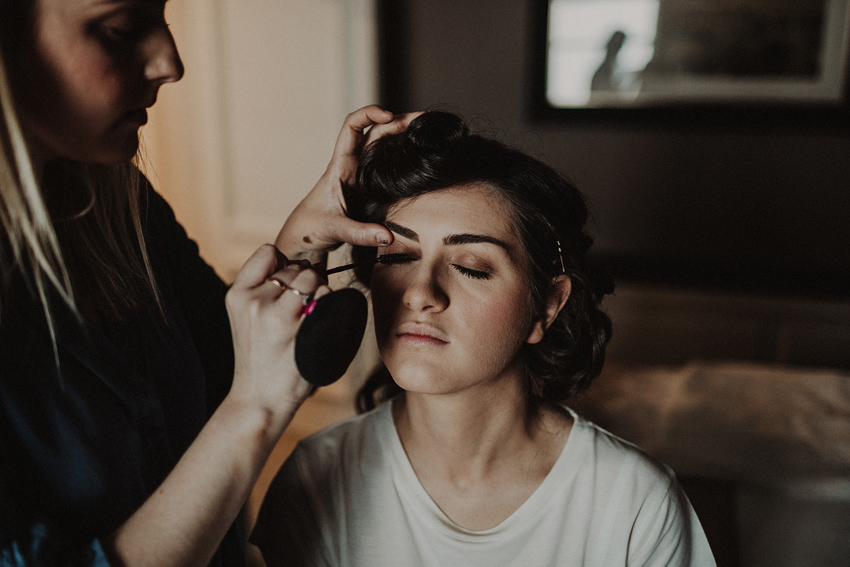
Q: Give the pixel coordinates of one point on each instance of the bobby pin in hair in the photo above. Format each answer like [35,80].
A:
[561,258]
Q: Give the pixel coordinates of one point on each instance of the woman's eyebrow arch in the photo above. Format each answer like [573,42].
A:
[451,240]
[402,231]
[455,239]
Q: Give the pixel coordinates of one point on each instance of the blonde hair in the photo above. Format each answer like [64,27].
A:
[23,213]
[97,250]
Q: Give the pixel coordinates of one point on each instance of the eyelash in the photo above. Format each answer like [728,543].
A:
[468,272]
[474,274]
[133,28]
[120,34]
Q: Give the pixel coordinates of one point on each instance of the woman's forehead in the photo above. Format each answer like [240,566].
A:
[465,209]
[474,205]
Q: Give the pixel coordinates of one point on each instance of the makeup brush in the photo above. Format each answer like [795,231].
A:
[383,259]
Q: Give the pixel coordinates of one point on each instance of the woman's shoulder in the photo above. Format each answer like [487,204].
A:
[357,434]
[614,458]
[639,494]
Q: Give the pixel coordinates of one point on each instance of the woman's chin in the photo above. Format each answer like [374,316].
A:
[121,153]
[419,380]
[113,155]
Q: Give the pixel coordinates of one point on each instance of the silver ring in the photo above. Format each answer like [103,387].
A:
[306,298]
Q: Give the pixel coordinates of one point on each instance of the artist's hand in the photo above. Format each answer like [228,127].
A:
[265,314]
[186,517]
[319,222]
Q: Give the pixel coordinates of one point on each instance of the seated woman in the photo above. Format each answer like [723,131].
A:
[487,322]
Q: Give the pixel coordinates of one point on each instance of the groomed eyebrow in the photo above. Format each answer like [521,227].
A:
[451,240]
[455,239]
[402,231]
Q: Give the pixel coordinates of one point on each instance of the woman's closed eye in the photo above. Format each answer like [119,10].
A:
[469,272]
[395,258]
[125,28]
[391,259]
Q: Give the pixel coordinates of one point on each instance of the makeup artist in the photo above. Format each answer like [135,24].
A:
[139,397]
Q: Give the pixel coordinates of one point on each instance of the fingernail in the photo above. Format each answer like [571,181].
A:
[309,308]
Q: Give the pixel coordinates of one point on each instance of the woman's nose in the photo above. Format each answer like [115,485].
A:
[162,61]
[424,292]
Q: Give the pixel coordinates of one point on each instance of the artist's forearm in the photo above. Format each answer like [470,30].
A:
[184,521]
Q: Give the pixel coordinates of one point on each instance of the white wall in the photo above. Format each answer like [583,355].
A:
[250,128]
[237,143]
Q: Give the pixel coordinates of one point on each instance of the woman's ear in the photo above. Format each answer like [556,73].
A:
[557,295]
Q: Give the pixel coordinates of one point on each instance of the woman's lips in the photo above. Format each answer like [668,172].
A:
[421,334]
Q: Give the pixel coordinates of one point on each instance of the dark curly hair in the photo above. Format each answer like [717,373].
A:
[437,151]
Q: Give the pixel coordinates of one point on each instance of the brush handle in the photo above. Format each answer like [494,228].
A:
[382,259]
[348,267]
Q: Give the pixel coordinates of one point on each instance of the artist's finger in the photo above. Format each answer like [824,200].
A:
[399,124]
[284,277]
[256,270]
[344,229]
[306,282]
[302,263]
[295,287]
[352,135]
[322,291]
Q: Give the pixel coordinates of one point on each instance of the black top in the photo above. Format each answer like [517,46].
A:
[84,445]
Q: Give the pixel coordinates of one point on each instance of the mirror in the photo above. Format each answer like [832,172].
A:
[639,53]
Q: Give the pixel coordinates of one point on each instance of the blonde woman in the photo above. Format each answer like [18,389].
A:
[137,406]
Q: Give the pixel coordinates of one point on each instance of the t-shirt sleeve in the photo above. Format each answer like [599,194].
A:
[668,534]
[288,531]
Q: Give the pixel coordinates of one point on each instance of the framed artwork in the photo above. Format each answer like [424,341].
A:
[767,60]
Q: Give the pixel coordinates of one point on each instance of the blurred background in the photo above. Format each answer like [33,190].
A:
[723,220]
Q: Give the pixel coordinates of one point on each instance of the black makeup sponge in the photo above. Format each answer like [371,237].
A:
[330,336]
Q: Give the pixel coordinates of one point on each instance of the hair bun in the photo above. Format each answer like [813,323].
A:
[435,131]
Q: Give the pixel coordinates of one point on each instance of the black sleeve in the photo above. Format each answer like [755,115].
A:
[41,548]
[35,544]
[199,291]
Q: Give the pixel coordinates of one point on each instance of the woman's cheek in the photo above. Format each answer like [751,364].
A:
[512,320]
[385,306]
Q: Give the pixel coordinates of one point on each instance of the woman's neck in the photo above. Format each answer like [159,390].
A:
[462,428]
[464,449]
[474,431]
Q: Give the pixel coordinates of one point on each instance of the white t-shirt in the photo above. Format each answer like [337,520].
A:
[349,497]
